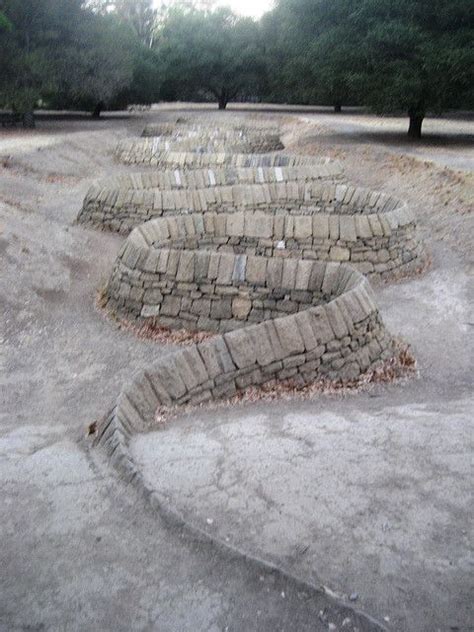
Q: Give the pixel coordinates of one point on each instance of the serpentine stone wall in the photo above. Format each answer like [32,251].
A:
[223,128]
[256,141]
[321,169]
[338,339]
[324,221]
[193,160]
[148,150]
[220,273]
[104,200]
[243,252]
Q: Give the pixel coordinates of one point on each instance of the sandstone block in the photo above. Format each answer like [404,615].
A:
[241,347]
[347,228]
[256,270]
[216,357]
[337,253]
[321,226]
[289,335]
[171,305]
[321,326]
[241,307]
[336,319]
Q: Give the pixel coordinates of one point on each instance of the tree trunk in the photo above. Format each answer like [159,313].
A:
[98,109]
[222,100]
[29,119]
[338,107]
[416,121]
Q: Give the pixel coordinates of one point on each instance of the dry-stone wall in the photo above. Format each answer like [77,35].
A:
[200,273]
[340,338]
[330,222]
[320,169]
[191,129]
[147,150]
[245,253]
[258,141]
[204,160]
[108,203]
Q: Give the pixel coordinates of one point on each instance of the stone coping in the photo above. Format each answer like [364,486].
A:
[220,129]
[146,150]
[339,339]
[104,190]
[321,169]
[194,160]
[203,256]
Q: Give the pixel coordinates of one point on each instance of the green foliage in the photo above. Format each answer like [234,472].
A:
[5,24]
[95,65]
[139,15]
[68,55]
[209,53]
[409,55]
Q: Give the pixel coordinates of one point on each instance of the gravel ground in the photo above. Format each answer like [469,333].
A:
[374,485]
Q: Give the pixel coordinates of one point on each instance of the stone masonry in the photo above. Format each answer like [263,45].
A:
[145,150]
[331,222]
[256,255]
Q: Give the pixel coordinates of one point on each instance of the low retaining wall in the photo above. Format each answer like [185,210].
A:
[104,199]
[321,169]
[193,160]
[329,222]
[201,136]
[220,129]
[147,150]
[217,273]
[339,339]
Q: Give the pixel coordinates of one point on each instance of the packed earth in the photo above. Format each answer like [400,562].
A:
[303,461]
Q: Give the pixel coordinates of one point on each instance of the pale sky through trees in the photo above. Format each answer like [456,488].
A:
[253,8]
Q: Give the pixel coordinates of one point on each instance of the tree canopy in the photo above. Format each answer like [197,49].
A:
[411,56]
[67,53]
[209,53]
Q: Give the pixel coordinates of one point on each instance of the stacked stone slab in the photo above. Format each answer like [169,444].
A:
[148,150]
[198,137]
[205,160]
[242,247]
[119,203]
[326,221]
[218,273]
[191,129]
[339,339]
[320,169]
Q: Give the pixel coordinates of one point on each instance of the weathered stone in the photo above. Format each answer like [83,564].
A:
[241,307]
[321,326]
[221,308]
[337,253]
[241,348]
[289,335]
[150,311]
[336,319]
[347,228]
[256,270]
[171,306]
[185,271]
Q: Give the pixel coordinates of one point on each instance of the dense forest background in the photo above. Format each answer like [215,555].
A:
[410,56]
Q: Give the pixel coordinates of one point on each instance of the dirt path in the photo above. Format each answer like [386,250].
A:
[82,552]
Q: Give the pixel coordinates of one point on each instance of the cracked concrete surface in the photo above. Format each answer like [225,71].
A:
[366,494]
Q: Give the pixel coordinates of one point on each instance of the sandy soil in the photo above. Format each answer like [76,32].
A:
[82,552]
